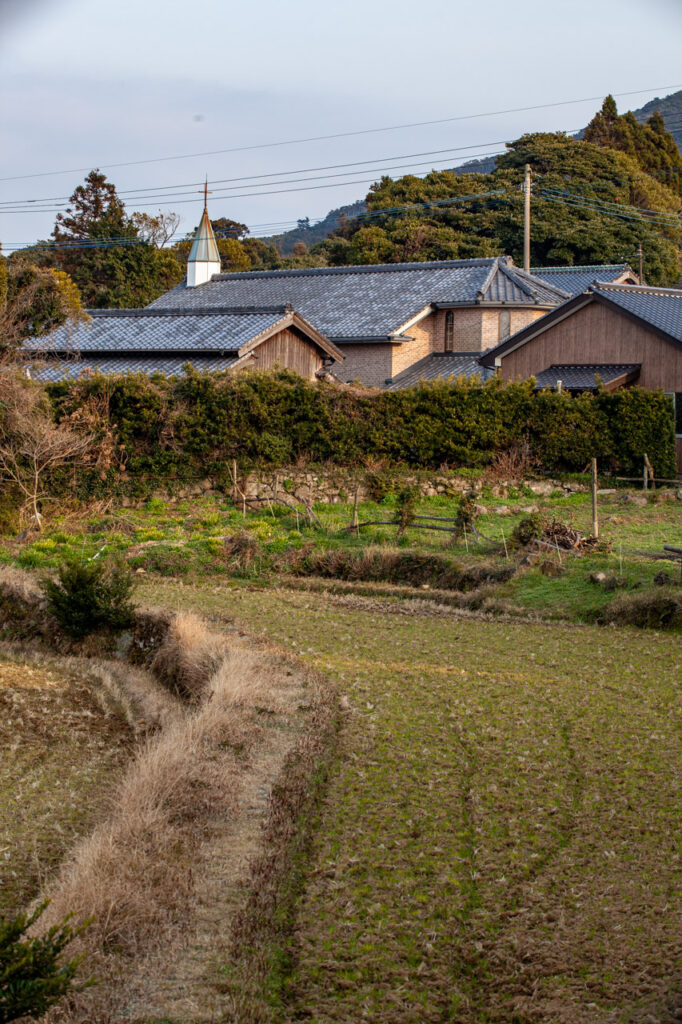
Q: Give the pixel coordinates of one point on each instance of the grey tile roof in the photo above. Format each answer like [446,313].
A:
[143,330]
[660,307]
[578,279]
[582,377]
[446,366]
[70,369]
[351,304]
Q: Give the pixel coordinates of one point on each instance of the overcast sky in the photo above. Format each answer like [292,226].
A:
[87,84]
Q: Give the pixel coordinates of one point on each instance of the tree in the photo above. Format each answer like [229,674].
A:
[95,204]
[33,976]
[113,263]
[31,443]
[156,230]
[34,300]
[223,227]
[578,187]
[650,145]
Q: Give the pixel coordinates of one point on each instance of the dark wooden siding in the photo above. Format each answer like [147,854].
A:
[289,350]
[597,334]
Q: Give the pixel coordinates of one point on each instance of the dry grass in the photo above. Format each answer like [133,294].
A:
[187,657]
[138,873]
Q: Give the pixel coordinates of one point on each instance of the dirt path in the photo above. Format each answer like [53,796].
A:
[183,982]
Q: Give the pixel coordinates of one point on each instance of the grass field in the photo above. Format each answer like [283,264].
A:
[500,840]
[59,755]
[192,541]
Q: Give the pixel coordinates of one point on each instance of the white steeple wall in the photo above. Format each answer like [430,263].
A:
[201,272]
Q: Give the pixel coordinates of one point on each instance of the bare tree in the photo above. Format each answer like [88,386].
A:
[31,443]
[157,230]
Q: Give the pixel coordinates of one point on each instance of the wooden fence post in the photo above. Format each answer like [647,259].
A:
[595,513]
[645,475]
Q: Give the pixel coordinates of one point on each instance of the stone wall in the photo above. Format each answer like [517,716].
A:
[338,486]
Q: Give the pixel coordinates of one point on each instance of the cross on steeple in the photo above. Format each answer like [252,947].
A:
[206,194]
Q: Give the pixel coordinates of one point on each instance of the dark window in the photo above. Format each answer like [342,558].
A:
[505,324]
[449,345]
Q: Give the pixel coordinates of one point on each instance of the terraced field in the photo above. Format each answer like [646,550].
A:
[500,841]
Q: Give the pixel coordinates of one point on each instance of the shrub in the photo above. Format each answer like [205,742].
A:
[659,609]
[88,596]
[529,529]
[32,976]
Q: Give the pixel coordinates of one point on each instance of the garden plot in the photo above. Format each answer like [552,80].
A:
[501,838]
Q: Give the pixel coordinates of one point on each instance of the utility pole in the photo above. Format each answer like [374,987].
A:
[640,257]
[526,219]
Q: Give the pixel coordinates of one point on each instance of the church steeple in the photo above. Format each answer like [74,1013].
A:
[204,259]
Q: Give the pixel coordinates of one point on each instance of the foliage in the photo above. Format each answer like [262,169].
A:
[112,258]
[178,428]
[34,300]
[32,975]
[562,232]
[90,595]
[649,144]
[405,507]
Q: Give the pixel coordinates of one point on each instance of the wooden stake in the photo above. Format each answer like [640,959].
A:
[466,540]
[235,487]
[354,518]
[645,475]
[650,470]
[504,541]
[595,513]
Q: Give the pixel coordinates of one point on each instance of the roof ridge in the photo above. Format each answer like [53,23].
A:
[147,311]
[356,268]
[524,274]
[637,289]
[584,266]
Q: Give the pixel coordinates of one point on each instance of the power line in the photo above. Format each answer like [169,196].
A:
[337,135]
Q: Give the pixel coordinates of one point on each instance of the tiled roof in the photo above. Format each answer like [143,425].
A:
[350,304]
[460,364]
[660,307]
[70,369]
[144,330]
[578,279]
[582,377]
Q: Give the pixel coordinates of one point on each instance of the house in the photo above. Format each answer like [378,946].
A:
[389,317]
[163,341]
[612,334]
[229,338]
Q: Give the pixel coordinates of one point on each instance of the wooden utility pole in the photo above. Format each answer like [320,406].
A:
[640,261]
[526,219]
[595,513]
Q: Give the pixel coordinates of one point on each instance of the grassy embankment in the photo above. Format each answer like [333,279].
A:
[501,839]
[193,539]
[62,751]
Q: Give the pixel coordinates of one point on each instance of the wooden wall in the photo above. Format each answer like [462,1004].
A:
[289,350]
[598,334]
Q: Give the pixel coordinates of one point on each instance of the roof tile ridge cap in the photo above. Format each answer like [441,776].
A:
[517,276]
[637,289]
[494,267]
[582,266]
[544,285]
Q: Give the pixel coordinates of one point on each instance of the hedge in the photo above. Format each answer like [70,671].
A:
[195,425]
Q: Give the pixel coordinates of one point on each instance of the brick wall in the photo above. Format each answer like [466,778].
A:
[370,364]
[518,318]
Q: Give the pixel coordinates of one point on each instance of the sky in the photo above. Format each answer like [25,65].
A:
[145,84]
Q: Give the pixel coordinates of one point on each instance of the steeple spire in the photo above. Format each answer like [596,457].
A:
[204,258]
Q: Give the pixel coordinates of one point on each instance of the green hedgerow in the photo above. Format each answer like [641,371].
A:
[90,595]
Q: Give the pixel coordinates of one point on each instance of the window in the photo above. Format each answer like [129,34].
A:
[449,345]
[505,324]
